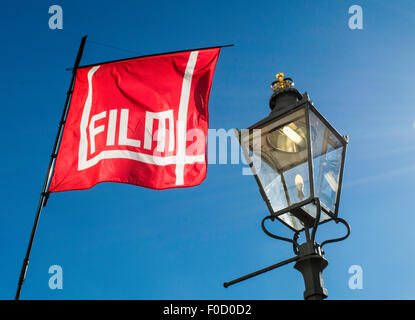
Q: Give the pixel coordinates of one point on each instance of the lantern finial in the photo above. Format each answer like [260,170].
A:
[281,83]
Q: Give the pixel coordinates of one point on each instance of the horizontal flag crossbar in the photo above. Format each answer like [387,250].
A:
[151,55]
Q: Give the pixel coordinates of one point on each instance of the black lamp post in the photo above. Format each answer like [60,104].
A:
[297,159]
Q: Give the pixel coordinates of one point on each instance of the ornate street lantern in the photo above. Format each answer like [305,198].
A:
[297,159]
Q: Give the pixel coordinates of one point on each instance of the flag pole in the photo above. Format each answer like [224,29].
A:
[45,194]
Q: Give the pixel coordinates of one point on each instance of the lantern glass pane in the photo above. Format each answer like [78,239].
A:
[291,220]
[296,223]
[279,155]
[271,183]
[327,153]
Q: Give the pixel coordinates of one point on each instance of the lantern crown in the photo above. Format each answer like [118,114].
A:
[281,83]
[284,94]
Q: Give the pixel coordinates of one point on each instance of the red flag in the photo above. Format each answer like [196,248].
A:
[140,121]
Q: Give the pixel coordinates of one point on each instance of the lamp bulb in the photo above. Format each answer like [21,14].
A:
[299,184]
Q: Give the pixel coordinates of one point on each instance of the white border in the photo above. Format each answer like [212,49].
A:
[180,159]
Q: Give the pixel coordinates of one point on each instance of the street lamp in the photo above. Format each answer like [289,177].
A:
[297,159]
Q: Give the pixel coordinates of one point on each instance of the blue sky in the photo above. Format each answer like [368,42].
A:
[119,241]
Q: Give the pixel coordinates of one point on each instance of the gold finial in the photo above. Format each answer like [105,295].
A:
[281,82]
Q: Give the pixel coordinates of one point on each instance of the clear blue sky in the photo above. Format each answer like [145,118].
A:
[118,241]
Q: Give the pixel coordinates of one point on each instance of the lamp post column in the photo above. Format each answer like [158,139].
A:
[311,265]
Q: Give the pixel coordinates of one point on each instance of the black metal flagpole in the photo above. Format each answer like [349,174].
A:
[45,194]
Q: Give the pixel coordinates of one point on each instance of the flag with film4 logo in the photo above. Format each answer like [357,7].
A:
[141,121]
